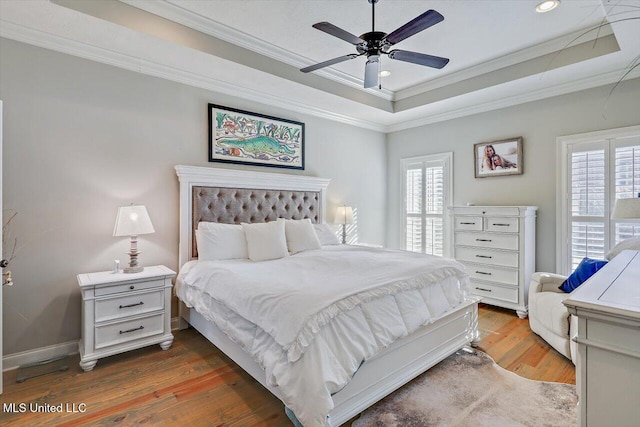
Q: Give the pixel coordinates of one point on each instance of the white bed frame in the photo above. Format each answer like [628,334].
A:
[402,361]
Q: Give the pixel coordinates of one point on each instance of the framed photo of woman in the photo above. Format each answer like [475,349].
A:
[498,158]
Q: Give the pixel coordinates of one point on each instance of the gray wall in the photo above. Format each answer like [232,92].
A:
[539,123]
[82,138]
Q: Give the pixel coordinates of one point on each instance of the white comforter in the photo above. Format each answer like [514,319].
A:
[310,319]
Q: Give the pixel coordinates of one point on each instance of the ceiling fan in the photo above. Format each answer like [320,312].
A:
[375,43]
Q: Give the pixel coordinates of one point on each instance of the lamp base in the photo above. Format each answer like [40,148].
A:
[137,269]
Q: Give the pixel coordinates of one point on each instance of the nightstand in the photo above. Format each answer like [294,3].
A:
[122,312]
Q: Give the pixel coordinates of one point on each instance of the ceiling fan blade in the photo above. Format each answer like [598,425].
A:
[329,62]
[371,71]
[337,32]
[422,22]
[419,58]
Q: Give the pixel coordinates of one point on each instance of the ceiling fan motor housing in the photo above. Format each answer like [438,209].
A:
[373,43]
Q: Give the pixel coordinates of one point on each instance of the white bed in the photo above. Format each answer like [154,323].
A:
[432,315]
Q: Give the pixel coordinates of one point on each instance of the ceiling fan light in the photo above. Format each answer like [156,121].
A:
[547,6]
[385,73]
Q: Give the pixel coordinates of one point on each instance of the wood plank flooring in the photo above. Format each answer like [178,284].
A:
[193,384]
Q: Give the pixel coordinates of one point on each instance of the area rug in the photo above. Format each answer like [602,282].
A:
[470,389]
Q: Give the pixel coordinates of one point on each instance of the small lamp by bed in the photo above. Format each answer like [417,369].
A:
[133,221]
[627,208]
[344,216]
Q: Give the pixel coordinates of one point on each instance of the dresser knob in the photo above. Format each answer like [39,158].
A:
[132,287]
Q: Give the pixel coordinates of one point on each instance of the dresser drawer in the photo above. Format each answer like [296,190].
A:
[488,240]
[128,305]
[468,223]
[495,291]
[493,274]
[487,256]
[508,225]
[128,330]
[128,287]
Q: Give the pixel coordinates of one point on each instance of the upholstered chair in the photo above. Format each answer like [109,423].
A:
[548,317]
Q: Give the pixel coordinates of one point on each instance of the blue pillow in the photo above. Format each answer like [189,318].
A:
[585,269]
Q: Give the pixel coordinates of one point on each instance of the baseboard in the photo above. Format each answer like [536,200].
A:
[15,360]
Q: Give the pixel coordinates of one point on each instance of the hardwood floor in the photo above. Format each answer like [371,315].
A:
[194,384]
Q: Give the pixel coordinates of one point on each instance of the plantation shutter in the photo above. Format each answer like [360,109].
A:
[425,190]
[626,179]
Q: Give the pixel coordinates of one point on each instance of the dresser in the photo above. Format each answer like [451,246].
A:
[608,363]
[122,312]
[497,246]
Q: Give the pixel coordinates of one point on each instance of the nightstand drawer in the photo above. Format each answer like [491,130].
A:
[487,256]
[129,330]
[493,274]
[115,289]
[468,223]
[488,240]
[509,225]
[128,305]
[496,292]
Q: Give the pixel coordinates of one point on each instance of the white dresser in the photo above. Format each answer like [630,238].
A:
[497,245]
[608,364]
[122,312]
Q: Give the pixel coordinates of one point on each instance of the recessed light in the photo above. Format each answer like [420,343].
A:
[547,5]
[385,73]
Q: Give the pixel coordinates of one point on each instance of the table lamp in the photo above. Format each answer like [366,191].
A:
[133,221]
[344,216]
[627,208]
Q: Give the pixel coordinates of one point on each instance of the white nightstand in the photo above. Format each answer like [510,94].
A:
[122,312]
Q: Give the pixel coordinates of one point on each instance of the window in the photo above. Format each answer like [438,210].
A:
[599,168]
[427,191]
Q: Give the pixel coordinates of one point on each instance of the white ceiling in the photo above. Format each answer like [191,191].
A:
[496,48]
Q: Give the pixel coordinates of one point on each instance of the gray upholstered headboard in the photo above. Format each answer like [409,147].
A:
[236,205]
[235,196]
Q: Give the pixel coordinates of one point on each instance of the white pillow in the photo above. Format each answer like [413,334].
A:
[301,236]
[266,240]
[220,241]
[630,244]
[326,235]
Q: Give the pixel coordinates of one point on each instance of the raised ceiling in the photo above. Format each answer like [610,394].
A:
[502,52]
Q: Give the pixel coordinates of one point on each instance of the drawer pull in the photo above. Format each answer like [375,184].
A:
[483,240]
[500,225]
[468,223]
[483,289]
[482,272]
[132,287]
[483,256]
[132,330]
[132,305]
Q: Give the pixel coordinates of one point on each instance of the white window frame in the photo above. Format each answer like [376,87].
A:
[563,217]
[447,160]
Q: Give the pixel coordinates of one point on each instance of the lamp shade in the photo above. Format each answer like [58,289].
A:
[626,208]
[344,215]
[132,221]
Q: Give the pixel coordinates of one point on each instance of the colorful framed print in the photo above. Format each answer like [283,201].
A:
[498,158]
[242,137]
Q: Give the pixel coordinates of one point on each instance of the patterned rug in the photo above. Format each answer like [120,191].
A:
[470,389]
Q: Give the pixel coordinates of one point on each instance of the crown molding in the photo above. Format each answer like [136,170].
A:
[176,13]
[504,61]
[34,37]
[547,92]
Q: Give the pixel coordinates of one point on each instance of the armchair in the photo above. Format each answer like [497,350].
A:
[548,317]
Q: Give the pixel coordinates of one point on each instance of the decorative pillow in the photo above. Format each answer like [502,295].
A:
[585,269]
[631,244]
[266,240]
[326,235]
[220,241]
[301,236]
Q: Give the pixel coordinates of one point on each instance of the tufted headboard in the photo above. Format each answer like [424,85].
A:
[236,205]
[233,196]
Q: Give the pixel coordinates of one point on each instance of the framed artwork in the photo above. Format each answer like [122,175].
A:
[242,137]
[498,158]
